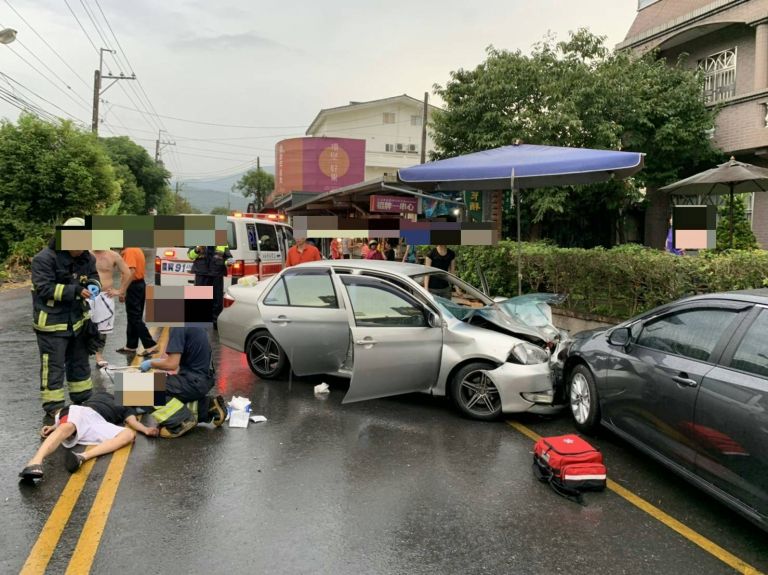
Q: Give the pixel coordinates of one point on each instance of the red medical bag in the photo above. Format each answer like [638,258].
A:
[569,464]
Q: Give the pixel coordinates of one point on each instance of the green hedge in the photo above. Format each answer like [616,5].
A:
[618,282]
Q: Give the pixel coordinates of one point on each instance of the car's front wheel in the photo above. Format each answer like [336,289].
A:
[474,394]
[265,356]
[583,399]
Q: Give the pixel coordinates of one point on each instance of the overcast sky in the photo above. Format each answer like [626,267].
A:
[265,68]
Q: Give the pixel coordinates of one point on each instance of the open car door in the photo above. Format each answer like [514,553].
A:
[305,315]
[398,342]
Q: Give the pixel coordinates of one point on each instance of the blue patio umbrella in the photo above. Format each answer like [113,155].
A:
[522,166]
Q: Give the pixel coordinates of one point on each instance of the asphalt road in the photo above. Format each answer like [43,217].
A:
[399,485]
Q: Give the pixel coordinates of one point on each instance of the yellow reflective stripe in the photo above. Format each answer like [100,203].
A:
[221,248]
[163,413]
[50,303]
[52,395]
[58,292]
[44,377]
[79,386]
[54,327]
[192,254]
[192,406]
[42,319]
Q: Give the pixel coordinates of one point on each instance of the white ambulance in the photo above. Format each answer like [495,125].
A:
[258,242]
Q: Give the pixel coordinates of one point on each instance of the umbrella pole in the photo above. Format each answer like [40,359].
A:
[732,206]
[519,245]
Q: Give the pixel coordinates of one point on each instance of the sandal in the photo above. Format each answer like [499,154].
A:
[125,350]
[31,472]
[73,461]
[148,352]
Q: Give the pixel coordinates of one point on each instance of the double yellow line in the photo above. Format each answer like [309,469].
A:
[693,536]
[93,528]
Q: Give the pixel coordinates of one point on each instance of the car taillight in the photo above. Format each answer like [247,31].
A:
[238,268]
[170,253]
[157,264]
[228,301]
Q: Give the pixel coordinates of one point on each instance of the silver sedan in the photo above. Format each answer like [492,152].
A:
[383,325]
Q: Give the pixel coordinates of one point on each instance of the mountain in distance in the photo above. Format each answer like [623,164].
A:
[208,194]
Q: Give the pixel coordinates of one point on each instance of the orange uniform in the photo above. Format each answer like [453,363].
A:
[309,254]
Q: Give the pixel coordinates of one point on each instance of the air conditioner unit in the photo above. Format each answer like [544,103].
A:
[399,147]
[411,147]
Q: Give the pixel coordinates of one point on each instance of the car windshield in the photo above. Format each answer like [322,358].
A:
[453,295]
[464,302]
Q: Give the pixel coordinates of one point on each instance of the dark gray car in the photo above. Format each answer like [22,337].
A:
[688,384]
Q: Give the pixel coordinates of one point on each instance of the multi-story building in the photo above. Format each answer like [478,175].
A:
[728,40]
[391,128]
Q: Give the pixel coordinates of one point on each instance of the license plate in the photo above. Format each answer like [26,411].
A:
[177,267]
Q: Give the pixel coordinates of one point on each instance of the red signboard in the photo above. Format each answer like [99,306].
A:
[318,164]
[395,204]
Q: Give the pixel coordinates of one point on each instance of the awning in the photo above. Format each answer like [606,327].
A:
[532,166]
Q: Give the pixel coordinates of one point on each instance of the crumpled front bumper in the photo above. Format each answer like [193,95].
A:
[535,381]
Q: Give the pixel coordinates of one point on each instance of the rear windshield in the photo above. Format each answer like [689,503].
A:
[231,238]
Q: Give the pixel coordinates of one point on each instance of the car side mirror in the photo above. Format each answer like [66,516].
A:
[434,320]
[620,337]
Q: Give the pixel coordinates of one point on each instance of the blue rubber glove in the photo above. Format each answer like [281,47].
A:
[146,365]
[230,261]
[94,289]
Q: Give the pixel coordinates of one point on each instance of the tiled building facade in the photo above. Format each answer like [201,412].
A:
[728,39]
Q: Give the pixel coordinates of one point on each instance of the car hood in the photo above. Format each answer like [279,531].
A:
[502,321]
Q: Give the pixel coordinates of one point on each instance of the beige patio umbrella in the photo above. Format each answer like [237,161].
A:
[728,178]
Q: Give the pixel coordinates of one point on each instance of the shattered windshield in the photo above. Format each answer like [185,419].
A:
[529,314]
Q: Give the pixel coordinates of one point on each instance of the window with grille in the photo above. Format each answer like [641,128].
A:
[750,206]
[389,117]
[389,147]
[719,76]
[415,120]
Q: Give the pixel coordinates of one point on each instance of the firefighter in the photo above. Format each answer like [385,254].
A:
[210,267]
[62,283]
[189,355]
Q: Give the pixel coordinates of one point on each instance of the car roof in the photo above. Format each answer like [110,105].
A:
[759,295]
[400,268]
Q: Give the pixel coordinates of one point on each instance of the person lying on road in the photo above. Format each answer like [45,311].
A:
[78,425]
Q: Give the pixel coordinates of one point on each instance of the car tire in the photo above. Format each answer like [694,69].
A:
[583,399]
[474,394]
[265,356]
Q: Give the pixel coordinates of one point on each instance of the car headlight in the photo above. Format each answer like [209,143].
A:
[527,354]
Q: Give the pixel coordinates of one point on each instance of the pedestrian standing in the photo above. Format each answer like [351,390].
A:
[373,251]
[103,306]
[210,268]
[134,298]
[302,252]
[410,254]
[62,282]
[444,258]
[670,243]
[336,248]
[346,248]
[389,249]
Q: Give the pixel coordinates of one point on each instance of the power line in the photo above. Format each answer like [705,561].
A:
[81,26]
[98,29]
[222,125]
[51,48]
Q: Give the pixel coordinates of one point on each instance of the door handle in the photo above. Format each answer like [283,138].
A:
[684,381]
[366,341]
[280,320]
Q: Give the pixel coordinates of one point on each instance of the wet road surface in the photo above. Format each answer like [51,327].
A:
[399,485]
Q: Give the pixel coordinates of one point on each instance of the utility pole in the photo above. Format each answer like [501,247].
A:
[161,144]
[259,199]
[424,129]
[98,76]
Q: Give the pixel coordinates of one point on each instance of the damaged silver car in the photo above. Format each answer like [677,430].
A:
[381,325]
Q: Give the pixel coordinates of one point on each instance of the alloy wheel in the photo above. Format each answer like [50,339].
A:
[264,354]
[581,401]
[479,394]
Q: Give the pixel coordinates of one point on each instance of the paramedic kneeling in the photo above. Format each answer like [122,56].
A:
[189,355]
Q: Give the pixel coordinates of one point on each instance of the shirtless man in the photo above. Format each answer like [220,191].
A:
[106,263]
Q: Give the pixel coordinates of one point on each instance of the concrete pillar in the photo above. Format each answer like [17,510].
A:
[761,56]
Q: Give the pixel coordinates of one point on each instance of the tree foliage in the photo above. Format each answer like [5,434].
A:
[48,173]
[743,236]
[577,93]
[258,184]
[149,184]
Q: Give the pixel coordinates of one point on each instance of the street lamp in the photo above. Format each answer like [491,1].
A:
[7,35]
